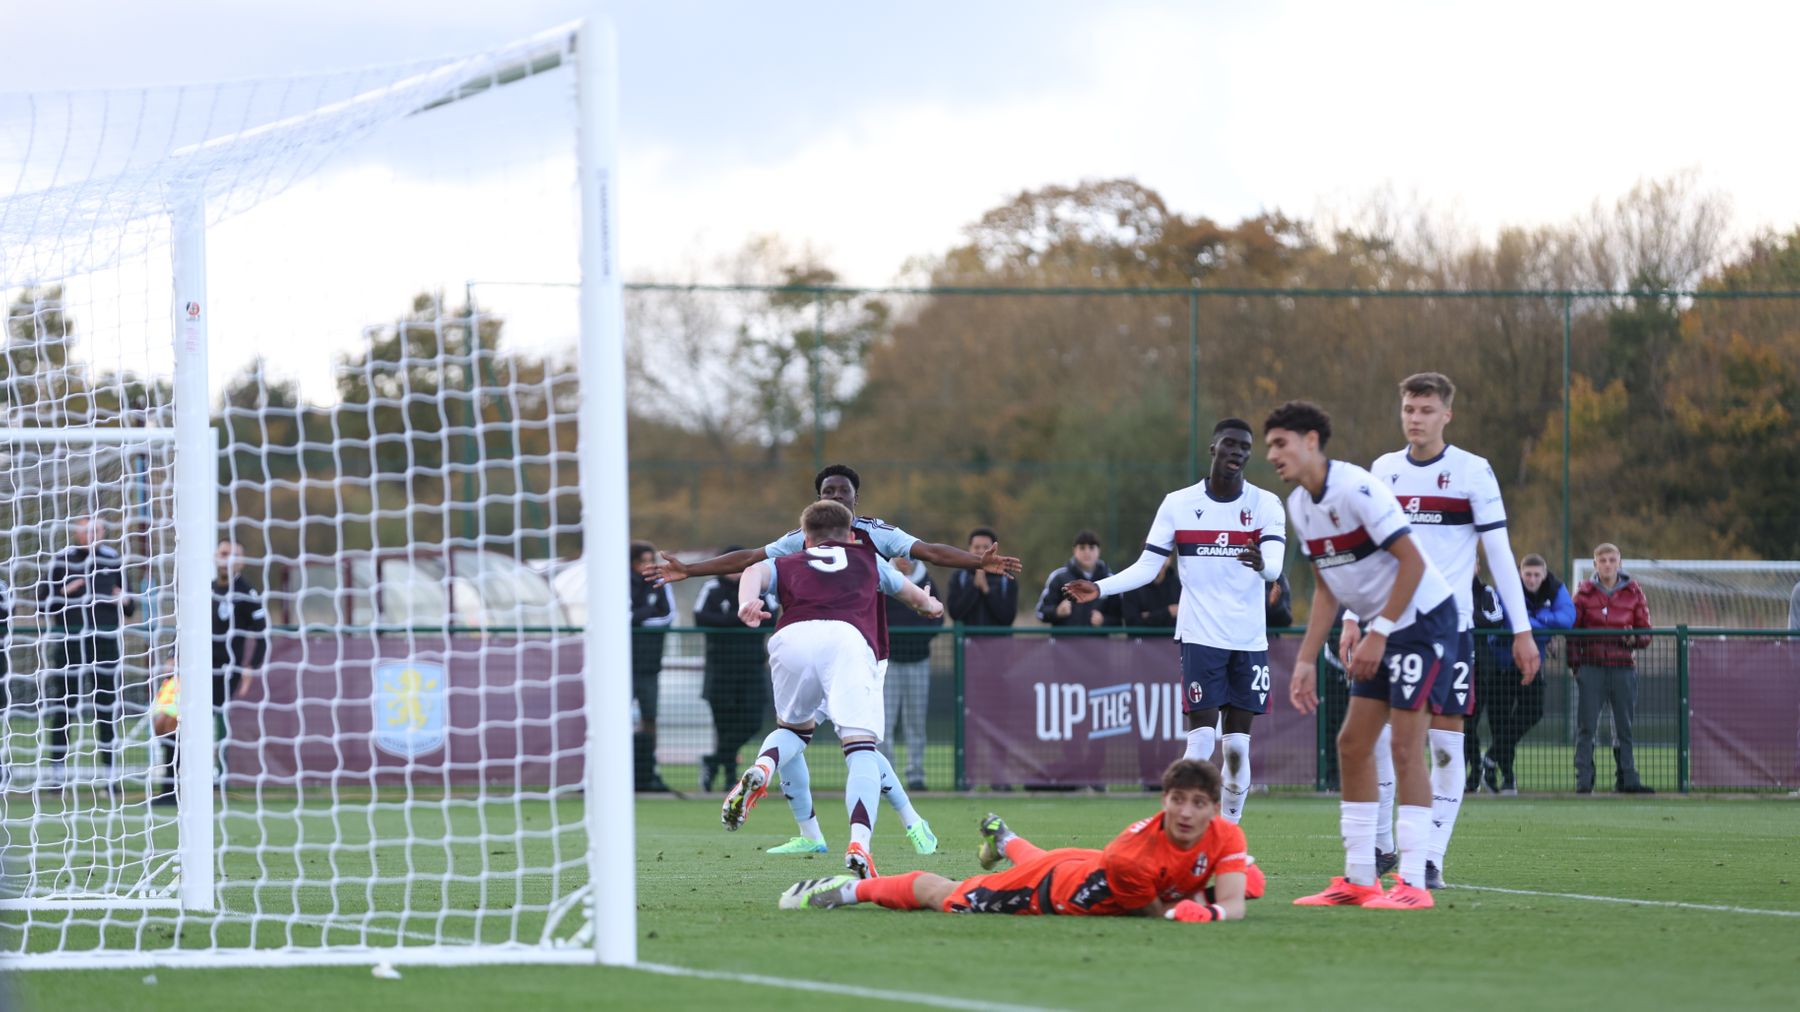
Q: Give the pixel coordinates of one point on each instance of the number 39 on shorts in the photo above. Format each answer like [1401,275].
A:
[1406,667]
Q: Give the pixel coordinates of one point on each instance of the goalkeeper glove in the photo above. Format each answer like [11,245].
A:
[1189,912]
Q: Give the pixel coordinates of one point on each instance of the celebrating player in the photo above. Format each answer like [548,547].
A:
[822,661]
[1158,867]
[1452,502]
[841,484]
[1217,529]
[1354,532]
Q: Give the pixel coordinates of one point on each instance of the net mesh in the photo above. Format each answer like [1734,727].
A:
[1709,593]
[400,749]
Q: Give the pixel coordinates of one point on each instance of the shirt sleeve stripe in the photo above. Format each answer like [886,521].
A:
[1148,547]
[1484,528]
[1391,538]
[1272,537]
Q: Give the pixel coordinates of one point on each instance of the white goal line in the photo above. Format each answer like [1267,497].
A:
[1710,907]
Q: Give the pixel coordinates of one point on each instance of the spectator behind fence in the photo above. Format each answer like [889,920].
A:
[82,598]
[1489,613]
[652,612]
[240,643]
[1055,609]
[978,597]
[736,683]
[1155,604]
[1794,609]
[906,692]
[1517,706]
[6,610]
[982,599]
[1278,607]
[1605,671]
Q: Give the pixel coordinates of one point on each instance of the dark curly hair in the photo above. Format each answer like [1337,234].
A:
[837,469]
[1301,417]
[1231,423]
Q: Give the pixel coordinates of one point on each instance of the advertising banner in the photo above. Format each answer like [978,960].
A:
[411,709]
[1744,712]
[1050,711]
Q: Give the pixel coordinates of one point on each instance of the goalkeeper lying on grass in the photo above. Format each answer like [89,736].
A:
[1185,863]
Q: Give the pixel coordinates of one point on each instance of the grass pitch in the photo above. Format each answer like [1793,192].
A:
[707,902]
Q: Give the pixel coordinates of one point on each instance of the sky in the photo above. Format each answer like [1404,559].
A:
[875,133]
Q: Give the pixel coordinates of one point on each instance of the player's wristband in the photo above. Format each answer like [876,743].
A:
[1381,625]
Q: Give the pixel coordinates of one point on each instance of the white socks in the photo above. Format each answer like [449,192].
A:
[1384,787]
[1200,743]
[1414,832]
[1356,819]
[1236,769]
[1447,783]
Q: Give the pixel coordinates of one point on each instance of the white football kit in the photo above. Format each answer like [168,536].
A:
[1223,603]
[1449,501]
[1345,533]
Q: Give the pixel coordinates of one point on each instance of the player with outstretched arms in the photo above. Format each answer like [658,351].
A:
[1453,504]
[1218,530]
[841,484]
[1357,538]
[1185,863]
[822,663]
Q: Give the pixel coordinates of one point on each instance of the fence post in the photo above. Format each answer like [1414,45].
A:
[962,777]
[816,365]
[1567,432]
[1193,387]
[1681,696]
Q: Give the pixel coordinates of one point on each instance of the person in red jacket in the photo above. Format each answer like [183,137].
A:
[1605,671]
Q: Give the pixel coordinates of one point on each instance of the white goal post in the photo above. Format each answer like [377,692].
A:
[183,878]
[421,762]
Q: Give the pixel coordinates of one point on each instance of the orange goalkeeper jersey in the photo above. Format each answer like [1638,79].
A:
[1142,865]
[1139,866]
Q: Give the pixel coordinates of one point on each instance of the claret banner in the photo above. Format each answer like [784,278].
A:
[1072,711]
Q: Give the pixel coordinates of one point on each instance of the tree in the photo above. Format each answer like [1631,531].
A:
[39,385]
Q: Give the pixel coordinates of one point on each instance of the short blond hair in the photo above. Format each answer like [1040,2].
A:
[1605,548]
[827,520]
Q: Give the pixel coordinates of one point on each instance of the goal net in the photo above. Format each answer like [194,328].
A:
[296,404]
[1711,593]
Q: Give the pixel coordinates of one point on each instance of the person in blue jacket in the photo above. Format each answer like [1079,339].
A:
[1518,705]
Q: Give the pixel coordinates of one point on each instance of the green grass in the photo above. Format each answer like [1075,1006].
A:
[707,900]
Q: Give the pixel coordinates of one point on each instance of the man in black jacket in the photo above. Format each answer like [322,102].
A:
[1490,670]
[6,610]
[1155,604]
[240,626]
[652,612]
[1278,607]
[82,597]
[1054,608]
[736,683]
[240,643]
[980,598]
[906,691]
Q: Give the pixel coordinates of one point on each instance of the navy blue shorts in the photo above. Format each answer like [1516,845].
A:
[1416,659]
[1453,695]
[1211,677]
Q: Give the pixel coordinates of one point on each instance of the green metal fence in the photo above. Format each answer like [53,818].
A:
[1736,729]
[1042,411]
